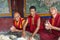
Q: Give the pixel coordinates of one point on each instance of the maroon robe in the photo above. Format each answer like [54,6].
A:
[46,34]
[56,24]
[33,26]
[53,34]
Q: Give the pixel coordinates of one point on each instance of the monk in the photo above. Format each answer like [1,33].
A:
[33,21]
[50,30]
[54,23]
[18,23]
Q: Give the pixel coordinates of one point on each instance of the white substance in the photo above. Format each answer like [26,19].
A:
[21,38]
[3,37]
[33,39]
[24,38]
[13,36]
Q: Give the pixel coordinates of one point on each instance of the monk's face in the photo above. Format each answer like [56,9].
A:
[32,11]
[16,16]
[53,11]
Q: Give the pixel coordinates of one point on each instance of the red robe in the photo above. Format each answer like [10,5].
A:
[56,24]
[19,25]
[32,26]
[46,35]
[53,34]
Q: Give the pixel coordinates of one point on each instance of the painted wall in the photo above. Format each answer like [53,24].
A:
[5,23]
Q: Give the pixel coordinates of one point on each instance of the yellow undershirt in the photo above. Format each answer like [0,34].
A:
[52,21]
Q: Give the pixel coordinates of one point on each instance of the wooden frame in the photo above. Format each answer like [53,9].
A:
[10,11]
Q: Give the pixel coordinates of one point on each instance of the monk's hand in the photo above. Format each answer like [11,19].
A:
[30,38]
[23,34]
[13,29]
[48,26]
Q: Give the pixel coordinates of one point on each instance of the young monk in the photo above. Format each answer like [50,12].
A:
[17,23]
[54,23]
[33,21]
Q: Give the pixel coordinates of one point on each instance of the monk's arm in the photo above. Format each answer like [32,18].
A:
[13,29]
[18,30]
[55,28]
[24,27]
[38,27]
[23,22]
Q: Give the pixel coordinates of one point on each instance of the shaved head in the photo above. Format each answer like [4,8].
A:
[53,10]
[16,16]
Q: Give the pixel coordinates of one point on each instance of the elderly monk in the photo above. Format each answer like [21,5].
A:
[51,28]
[54,23]
[17,23]
[33,21]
